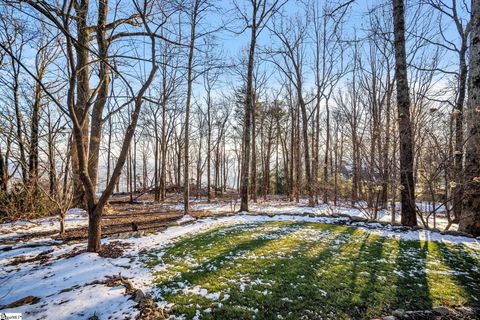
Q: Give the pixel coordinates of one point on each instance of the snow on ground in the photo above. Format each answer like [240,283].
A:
[360,210]
[74,218]
[64,285]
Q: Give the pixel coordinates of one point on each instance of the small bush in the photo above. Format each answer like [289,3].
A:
[21,202]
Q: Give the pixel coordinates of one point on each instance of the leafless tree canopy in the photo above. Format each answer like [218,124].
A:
[328,101]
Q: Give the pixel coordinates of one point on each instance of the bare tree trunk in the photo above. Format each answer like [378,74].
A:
[225,165]
[409,217]
[134,165]
[144,171]
[199,167]
[51,160]
[186,174]
[102,95]
[217,167]
[386,147]
[3,173]
[156,159]
[355,161]
[109,149]
[34,127]
[245,179]
[130,173]
[293,153]
[298,159]
[178,175]
[209,150]
[277,142]
[267,162]
[19,121]
[253,174]
[163,156]
[308,171]
[470,220]
[336,164]
[83,91]
[325,159]
[459,142]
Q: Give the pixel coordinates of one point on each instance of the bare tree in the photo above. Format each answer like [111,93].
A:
[407,182]
[453,12]
[292,36]
[260,14]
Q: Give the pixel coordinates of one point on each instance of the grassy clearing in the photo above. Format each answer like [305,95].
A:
[296,270]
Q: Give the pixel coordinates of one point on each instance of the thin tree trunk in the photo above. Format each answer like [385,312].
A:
[209,150]
[163,156]
[459,142]
[19,122]
[325,159]
[186,174]
[245,179]
[34,128]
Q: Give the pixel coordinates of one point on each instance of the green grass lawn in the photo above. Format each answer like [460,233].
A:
[296,270]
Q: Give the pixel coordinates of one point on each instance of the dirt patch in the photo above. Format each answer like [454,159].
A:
[123,224]
[42,257]
[22,302]
[114,249]
[75,252]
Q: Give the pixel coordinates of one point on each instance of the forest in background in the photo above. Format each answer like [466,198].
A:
[333,101]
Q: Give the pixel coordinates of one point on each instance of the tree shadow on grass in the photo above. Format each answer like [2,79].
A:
[365,293]
[412,292]
[372,295]
[465,269]
[343,275]
[293,290]
[206,247]
[267,279]
[331,284]
[215,264]
[193,244]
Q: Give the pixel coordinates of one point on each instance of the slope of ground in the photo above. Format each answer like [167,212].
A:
[245,266]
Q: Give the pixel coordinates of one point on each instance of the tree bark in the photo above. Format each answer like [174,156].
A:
[34,128]
[102,95]
[409,217]
[163,155]
[458,153]
[3,173]
[308,171]
[186,167]
[19,120]
[253,174]
[209,148]
[83,90]
[244,181]
[470,220]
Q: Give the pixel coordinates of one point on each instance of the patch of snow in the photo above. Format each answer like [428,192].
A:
[185,218]
[74,218]
[197,290]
